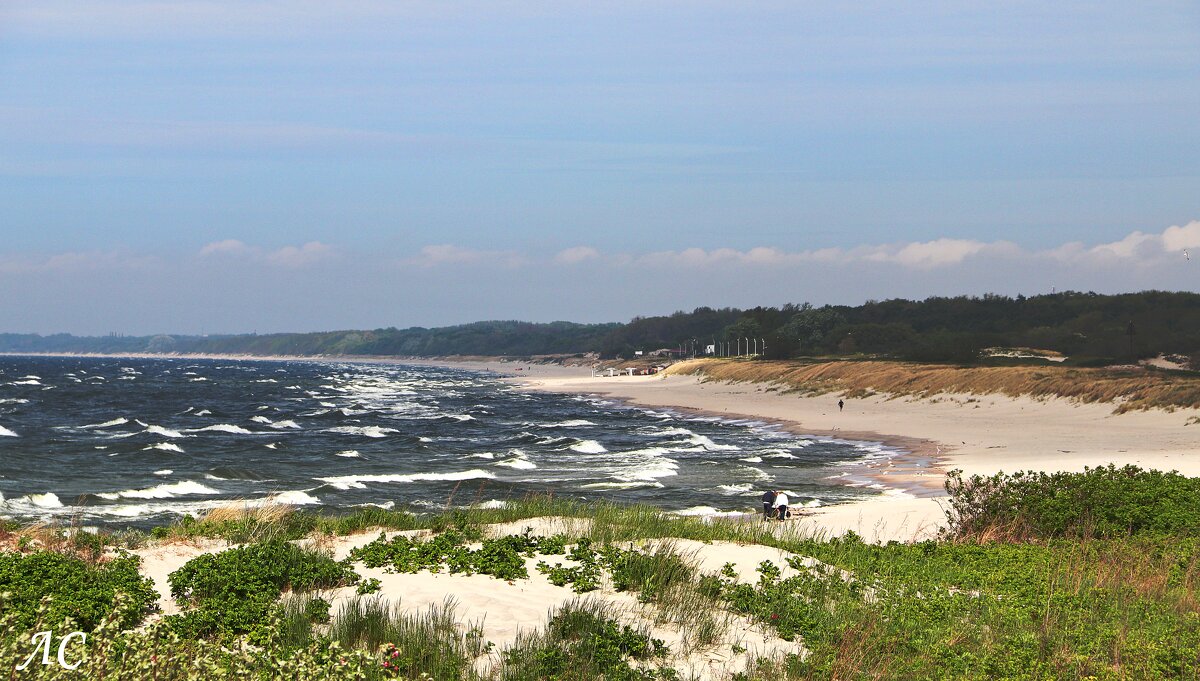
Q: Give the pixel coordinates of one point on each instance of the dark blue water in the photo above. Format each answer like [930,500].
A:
[137,441]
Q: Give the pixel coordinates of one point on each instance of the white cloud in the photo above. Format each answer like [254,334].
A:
[449,254]
[226,247]
[1176,238]
[287,256]
[577,254]
[299,256]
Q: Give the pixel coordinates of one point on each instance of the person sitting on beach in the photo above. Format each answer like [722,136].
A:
[781,505]
[768,499]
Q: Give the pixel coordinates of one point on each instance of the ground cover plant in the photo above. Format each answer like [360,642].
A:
[1049,602]
[233,592]
[502,557]
[85,591]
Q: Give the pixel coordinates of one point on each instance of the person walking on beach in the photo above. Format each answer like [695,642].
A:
[768,499]
[840,405]
[781,506]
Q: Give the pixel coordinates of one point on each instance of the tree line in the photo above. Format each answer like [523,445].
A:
[1087,327]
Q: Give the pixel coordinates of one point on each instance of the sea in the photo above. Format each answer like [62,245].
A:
[142,442]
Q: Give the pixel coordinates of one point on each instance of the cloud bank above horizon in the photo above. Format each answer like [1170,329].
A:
[228,286]
[231,165]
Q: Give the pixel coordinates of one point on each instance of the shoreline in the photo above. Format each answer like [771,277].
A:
[978,434]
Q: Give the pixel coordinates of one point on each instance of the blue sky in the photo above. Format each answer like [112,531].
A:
[209,166]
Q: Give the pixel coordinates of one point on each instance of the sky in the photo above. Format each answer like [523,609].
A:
[211,166]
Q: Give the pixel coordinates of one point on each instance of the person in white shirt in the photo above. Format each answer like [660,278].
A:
[781,505]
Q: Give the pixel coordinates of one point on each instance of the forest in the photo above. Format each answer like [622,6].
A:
[1087,328]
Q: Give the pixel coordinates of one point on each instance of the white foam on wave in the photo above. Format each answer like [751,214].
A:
[261,419]
[29,382]
[165,432]
[588,447]
[280,425]
[357,481]
[204,412]
[349,454]
[387,505]
[31,377]
[461,417]
[165,471]
[655,468]
[5,432]
[365,431]
[222,428]
[14,400]
[481,455]
[119,421]
[781,455]
[493,503]
[517,461]
[35,501]
[708,444]
[164,491]
[752,459]
[672,431]
[633,484]
[732,490]
[573,423]
[294,498]
[167,447]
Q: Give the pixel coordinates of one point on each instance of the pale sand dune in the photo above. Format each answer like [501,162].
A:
[504,609]
[981,434]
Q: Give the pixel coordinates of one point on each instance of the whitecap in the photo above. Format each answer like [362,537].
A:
[165,432]
[752,459]
[350,454]
[518,463]
[294,498]
[204,412]
[222,428]
[781,455]
[365,431]
[47,500]
[481,455]
[164,491]
[356,481]
[280,425]
[260,419]
[741,488]
[622,485]
[30,382]
[31,377]
[120,421]
[14,400]
[705,442]
[573,423]
[197,380]
[165,471]
[5,432]
[493,503]
[387,505]
[167,447]
[656,468]
[588,447]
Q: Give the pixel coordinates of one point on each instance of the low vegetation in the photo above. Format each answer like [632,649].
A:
[1127,389]
[1077,576]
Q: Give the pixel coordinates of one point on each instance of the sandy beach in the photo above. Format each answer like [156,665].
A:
[979,434]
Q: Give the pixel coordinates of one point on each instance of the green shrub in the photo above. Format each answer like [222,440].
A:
[79,589]
[503,558]
[231,592]
[1100,502]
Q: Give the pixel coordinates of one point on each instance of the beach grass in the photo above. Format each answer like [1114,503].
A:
[1067,597]
[1127,389]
